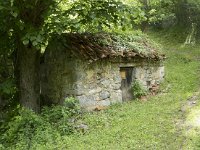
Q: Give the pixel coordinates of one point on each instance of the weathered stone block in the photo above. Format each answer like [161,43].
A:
[104,103]
[104,95]
[96,90]
[86,101]
[105,82]
[117,78]
[116,86]
[116,96]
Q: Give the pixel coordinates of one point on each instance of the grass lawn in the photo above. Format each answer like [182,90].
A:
[156,124]
[147,125]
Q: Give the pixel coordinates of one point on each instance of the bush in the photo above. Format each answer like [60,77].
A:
[138,90]
[22,127]
[60,116]
[28,130]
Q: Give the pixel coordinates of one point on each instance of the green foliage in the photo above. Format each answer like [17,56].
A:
[28,129]
[130,41]
[22,126]
[150,12]
[7,87]
[160,11]
[137,89]
[59,116]
[95,16]
[187,12]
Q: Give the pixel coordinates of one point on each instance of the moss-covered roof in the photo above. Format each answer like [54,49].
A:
[93,47]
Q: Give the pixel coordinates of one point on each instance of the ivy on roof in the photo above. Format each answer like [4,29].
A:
[132,41]
[96,46]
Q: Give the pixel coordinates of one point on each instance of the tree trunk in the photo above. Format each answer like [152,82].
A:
[29,80]
[144,24]
[181,12]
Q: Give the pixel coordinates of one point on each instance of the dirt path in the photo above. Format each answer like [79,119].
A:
[190,119]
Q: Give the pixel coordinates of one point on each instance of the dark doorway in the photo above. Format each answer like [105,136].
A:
[127,78]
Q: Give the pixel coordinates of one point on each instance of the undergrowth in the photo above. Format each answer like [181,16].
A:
[28,130]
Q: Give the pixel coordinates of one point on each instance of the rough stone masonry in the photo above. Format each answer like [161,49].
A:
[76,65]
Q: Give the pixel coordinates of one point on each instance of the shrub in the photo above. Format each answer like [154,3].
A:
[60,116]
[28,130]
[138,90]
[22,127]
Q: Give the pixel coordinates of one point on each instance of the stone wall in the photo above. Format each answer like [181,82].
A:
[146,72]
[149,75]
[95,85]
[99,85]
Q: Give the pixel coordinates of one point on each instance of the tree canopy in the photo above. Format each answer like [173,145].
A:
[28,24]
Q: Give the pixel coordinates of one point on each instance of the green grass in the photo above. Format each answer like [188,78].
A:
[191,129]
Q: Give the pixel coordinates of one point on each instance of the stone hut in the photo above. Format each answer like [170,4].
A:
[99,69]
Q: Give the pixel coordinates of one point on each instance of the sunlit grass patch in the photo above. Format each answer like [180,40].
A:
[192,127]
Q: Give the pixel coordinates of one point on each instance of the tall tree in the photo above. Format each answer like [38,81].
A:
[28,18]
[30,22]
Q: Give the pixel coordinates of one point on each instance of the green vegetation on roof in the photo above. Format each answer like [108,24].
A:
[129,41]
[96,46]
